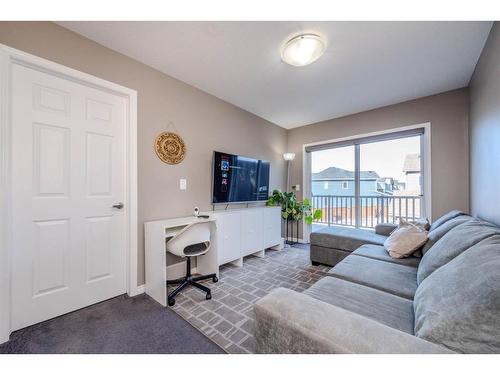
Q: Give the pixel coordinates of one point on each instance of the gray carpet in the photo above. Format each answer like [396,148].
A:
[119,325]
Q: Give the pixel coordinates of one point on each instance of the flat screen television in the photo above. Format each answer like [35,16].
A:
[239,179]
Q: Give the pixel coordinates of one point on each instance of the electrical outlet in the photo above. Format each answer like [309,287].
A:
[183,184]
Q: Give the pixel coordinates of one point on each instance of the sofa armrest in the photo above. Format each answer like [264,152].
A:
[292,322]
[385,229]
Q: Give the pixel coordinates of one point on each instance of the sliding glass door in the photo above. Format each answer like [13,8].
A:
[333,186]
[368,181]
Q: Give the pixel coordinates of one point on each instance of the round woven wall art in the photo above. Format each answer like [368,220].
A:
[170,148]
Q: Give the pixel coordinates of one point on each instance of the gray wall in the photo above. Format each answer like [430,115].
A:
[205,122]
[448,115]
[485,131]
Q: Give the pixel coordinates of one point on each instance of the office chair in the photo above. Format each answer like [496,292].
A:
[192,241]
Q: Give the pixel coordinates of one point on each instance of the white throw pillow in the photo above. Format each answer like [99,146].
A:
[406,239]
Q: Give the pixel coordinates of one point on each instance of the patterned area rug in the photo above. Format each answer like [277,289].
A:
[228,318]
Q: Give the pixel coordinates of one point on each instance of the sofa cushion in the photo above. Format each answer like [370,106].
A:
[345,238]
[388,309]
[443,219]
[458,305]
[327,255]
[380,253]
[388,277]
[454,243]
[437,233]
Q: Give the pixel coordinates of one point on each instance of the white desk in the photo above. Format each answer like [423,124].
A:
[156,235]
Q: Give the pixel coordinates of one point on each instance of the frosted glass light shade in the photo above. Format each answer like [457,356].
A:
[288,156]
[303,50]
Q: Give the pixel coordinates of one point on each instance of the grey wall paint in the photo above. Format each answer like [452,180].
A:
[205,122]
[485,131]
[448,115]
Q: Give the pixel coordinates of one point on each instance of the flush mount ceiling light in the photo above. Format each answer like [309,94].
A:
[303,49]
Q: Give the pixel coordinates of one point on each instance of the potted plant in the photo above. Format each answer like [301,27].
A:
[293,210]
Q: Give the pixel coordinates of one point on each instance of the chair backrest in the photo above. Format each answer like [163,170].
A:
[193,234]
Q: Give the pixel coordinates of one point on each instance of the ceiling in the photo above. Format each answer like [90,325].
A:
[366,64]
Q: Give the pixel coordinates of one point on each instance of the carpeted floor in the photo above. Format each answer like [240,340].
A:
[228,318]
[119,325]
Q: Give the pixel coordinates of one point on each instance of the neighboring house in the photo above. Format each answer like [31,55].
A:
[411,169]
[340,182]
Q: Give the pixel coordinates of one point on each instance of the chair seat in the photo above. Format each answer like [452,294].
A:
[196,249]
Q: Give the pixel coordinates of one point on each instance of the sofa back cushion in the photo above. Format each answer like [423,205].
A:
[443,219]
[458,305]
[454,243]
[444,228]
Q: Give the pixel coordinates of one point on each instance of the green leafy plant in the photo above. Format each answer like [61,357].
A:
[292,209]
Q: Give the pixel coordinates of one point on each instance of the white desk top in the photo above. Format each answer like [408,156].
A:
[179,221]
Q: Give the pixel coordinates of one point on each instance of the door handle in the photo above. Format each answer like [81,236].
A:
[118,206]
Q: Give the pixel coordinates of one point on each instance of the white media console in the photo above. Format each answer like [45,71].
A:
[237,233]
[247,231]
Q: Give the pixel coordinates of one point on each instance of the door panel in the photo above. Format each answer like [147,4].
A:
[50,271]
[98,247]
[51,160]
[68,170]
[99,164]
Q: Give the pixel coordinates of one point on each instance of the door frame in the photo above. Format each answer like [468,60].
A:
[426,164]
[9,57]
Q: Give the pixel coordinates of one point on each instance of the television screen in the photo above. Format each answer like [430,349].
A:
[239,179]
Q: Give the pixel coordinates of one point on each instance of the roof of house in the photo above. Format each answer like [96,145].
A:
[334,173]
[412,163]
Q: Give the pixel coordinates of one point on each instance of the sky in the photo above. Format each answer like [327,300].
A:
[386,158]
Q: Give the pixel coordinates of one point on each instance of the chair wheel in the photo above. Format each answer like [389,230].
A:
[171,301]
[208,296]
[215,279]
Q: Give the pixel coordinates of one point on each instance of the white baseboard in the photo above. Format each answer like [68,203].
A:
[141,289]
[4,339]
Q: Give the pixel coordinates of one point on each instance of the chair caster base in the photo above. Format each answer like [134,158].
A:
[208,296]
[171,302]
[215,279]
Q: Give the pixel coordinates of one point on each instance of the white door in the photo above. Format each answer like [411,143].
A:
[68,172]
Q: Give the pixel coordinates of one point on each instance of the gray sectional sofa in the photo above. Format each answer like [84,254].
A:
[447,301]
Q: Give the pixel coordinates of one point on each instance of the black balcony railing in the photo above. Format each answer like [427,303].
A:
[341,209]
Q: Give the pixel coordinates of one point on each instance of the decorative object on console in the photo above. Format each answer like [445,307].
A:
[292,211]
[170,148]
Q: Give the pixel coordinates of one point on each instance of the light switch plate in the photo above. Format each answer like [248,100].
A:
[296,187]
[183,184]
